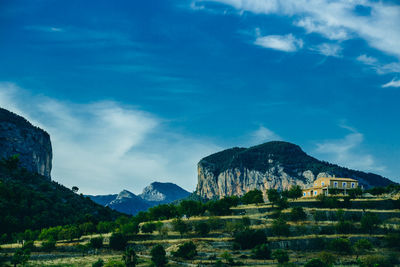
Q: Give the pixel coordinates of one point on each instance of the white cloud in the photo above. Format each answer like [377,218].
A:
[348,152]
[103,147]
[329,50]
[392,83]
[336,20]
[262,135]
[286,43]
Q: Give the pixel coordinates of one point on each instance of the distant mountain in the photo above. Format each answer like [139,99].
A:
[154,194]
[275,164]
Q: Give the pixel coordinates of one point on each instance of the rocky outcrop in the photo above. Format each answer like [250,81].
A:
[277,165]
[32,144]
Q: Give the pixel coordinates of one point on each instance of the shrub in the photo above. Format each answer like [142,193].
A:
[344,227]
[149,227]
[28,245]
[377,261]
[262,252]
[297,214]
[369,221]
[20,256]
[215,223]
[202,228]
[186,251]
[280,227]
[118,241]
[158,256]
[315,263]
[190,208]
[96,242]
[327,258]
[393,240]
[129,257]
[98,263]
[114,263]
[320,215]
[281,256]
[340,245]
[249,238]
[180,226]
[130,228]
[48,245]
[362,245]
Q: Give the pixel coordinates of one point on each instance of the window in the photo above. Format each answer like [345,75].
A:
[315,193]
[335,184]
[344,184]
[308,193]
[315,184]
[304,194]
[353,185]
[323,183]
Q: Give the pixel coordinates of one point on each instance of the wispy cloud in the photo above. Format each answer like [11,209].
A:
[103,147]
[392,83]
[380,68]
[285,43]
[348,152]
[262,135]
[327,49]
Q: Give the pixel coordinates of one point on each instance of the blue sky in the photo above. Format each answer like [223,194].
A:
[138,91]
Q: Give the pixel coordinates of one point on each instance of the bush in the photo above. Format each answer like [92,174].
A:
[215,223]
[202,228]
[96,242]
[320,215]
[180,226]
[98,263]
[262,252]
[362,245]
[281,256]
[249,238]
[190,208]
[377,261]
[280,227]
[393,240]
[114,263]
[20,256]
[129,257]
[315,263]
[158,256]
[186,251]
[344,227]
[149,227]
[118,241]
[28,245]
[48,245]
[297,214]
[327,258]
[340,245]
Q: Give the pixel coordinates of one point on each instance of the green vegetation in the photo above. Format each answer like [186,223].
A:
[186,251]
[158,256]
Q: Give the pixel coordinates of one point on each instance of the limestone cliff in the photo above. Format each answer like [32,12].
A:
[271,165]
[32,144]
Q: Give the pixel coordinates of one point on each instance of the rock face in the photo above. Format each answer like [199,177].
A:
[163,193]
[152,195]
[277,165]
[32,144]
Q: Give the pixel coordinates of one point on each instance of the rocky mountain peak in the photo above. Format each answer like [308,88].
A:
[19,137]
[163,192]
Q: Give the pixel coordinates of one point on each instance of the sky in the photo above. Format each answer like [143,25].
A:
[134,92]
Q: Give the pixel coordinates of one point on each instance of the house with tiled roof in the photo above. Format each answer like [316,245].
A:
[323,184]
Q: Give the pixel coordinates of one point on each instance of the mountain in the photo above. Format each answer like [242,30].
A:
[19,137]
[28,198]
[274,164]
[159,193]
[154,194]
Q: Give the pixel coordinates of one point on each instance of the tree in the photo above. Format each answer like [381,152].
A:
[344,227]
[118,241]
[227,257]
[190,208]
[273,196]
[297,214]
[369,222]
[340,245]
[186,251]
[281,256]
[262,252]
[158,256]
[49,245]
[202,228]
[180,226]
[75,189]
[280,227]
[96,242]
[327,258]
[129,257]
[149,227]
[21,256]
[295,192]
[361,246]
[253,197]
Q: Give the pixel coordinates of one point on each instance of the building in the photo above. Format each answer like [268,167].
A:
[323,184]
